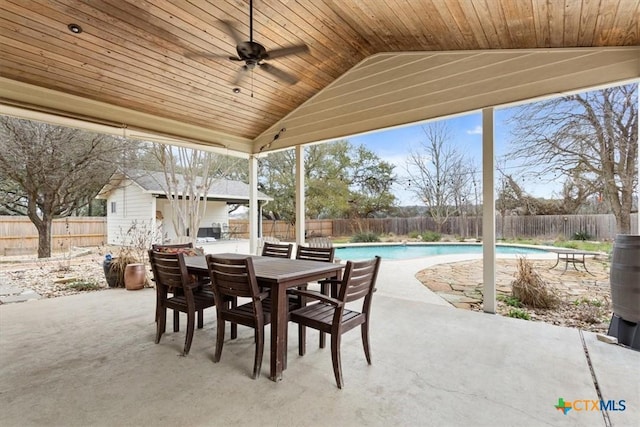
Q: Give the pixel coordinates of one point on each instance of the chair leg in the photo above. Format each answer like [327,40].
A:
[234,331]
[191,323]
[257,365]
[302,339]
[176,321]
[302,330]
[219,340]
[335,358]
[302,349]
[234,326]
[365,341]
[324,290]
[200,319]
[161,326]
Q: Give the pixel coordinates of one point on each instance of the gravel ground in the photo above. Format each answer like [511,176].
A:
[59,276]
[584,299]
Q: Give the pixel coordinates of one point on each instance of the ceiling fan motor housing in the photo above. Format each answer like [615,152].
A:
[251,51]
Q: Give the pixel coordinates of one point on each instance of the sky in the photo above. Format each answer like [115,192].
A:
[466,136]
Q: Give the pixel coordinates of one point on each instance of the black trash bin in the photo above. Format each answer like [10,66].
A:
[625,290]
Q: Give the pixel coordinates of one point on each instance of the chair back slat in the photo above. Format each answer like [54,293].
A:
[359,279]
[315,254]
[232,277]
[277,250]
[159,247]
[320,242]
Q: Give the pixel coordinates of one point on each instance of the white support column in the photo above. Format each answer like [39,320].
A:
[300,196]
[488,214]
[253,204]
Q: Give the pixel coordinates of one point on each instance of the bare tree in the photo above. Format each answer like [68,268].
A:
[188,175]
[592,137]
[50,171]
[438,173]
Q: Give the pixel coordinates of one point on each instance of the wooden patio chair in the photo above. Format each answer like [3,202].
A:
[189,296]
[322,254]
[277,250]
[187,249]
[331,316]
[235,278]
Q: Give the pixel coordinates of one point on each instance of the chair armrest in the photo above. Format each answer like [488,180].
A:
[263,295]
[316,295]
[191,285]
[330,281]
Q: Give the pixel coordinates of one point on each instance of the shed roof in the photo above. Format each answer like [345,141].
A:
[152,182]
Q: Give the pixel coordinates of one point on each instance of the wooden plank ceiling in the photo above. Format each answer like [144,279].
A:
[370,64]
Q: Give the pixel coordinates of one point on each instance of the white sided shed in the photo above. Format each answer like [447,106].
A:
[138,197]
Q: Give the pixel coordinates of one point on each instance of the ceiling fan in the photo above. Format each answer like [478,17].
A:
[253,54]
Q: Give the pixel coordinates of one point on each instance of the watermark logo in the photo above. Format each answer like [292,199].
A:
[563,406]
[582,405]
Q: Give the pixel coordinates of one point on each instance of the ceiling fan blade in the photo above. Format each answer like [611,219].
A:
[212,55]
[289,50]
[240,76]
[231,30]
[280,74]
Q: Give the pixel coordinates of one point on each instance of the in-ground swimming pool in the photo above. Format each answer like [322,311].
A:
[421,250]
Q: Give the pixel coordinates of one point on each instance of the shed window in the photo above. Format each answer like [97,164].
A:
[113,207]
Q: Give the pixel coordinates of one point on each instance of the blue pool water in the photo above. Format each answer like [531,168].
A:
[417,251]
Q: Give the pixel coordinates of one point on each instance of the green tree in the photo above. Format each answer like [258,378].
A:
[340,181]
[591,138]
[50,171]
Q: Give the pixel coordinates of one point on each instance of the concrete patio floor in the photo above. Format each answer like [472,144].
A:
[90,359]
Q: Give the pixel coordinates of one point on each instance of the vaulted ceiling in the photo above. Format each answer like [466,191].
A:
[141,66]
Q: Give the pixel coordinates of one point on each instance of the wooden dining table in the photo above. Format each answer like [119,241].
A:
[279,274]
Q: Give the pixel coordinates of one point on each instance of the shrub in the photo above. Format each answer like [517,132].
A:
[365,237]
[581,235]
[530,289]
[590,302]
[431,236]
[413,234]
[511,301]
[519,313]
[84,285]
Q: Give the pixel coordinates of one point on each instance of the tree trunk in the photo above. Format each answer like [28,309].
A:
[44,238]
[623,222]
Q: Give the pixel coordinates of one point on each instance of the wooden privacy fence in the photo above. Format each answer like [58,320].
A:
[597,227]
[283,230]
[18,235]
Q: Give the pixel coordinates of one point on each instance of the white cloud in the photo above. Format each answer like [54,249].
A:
[475,131]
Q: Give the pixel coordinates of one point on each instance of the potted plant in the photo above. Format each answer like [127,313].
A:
[128,268]
[115,267]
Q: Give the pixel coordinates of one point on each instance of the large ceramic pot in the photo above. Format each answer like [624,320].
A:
[114,278]
[134,277]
